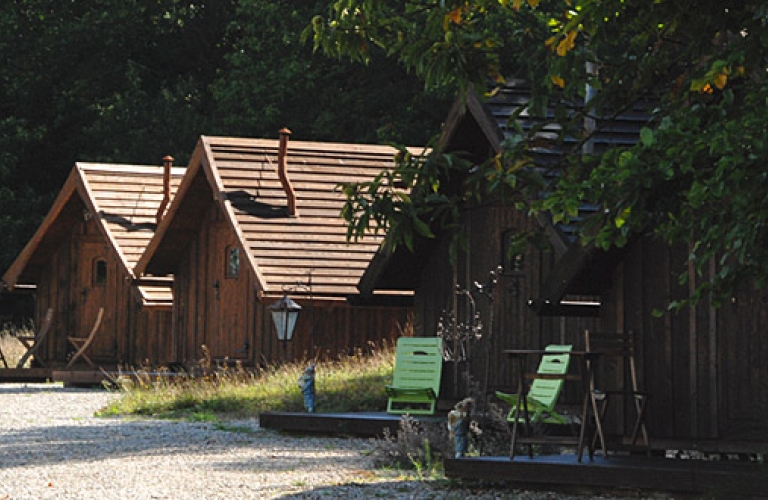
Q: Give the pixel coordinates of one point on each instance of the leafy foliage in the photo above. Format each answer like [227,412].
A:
[697,173]
[447,43]
[117,81]
[408,202]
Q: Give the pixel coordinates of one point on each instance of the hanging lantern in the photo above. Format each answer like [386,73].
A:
[285,312]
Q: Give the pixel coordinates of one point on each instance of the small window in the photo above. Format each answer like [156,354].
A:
[100,273]
[233,262]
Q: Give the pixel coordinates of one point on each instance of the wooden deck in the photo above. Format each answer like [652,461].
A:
[68,377]
[25,375]
[630,473]
[712,479]
[358,424]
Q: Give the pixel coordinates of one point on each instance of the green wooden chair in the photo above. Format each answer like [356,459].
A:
[544,392]
[416,376]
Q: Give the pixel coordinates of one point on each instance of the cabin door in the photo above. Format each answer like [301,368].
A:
[226,305]
[94,275]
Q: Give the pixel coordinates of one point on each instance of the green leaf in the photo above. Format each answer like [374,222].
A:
[422,228]
[646,136]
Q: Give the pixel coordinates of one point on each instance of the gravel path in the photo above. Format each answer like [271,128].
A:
[52,447]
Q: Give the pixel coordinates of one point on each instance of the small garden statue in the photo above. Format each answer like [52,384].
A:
[459,424]
[307,386]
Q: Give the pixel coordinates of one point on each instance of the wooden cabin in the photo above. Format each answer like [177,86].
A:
[257,219]
[82,258]
[703,367]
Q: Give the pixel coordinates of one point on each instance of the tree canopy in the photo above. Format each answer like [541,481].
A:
[698,173]
[130,82]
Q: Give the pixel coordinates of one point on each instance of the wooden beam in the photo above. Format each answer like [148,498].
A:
[547,308]
[712,478]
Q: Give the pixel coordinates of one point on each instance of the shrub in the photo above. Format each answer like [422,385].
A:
[417,445]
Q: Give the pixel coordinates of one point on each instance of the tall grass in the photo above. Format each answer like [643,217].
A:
[350,383]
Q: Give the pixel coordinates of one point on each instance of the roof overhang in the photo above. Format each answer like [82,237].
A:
[583,271]
[398,299]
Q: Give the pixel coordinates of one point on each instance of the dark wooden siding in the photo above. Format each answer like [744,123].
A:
[515,325]
[704,365]
[742,326]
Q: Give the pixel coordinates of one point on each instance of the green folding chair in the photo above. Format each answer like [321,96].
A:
[416,376]
[544,392]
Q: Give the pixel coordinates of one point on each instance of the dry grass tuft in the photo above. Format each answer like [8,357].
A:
[347,383]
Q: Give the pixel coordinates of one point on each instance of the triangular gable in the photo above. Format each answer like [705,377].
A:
[478,127]
[471,129]
[123,199]
[240,175]
[579,270]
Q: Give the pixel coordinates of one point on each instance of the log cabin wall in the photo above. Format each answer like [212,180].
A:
[53,278]
[704,366]
[330,329]
[91,289]
[740,366]
[151,341]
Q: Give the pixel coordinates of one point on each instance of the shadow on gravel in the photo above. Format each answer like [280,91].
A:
[390,490]
[41,445]
[116,437]
[443,490]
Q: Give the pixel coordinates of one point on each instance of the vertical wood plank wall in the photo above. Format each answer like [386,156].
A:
[130,334]
[703,366]
[228,317]
[515,325]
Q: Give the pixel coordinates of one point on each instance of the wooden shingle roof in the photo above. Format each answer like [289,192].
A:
[126,199]
[282,250]
[123,199]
